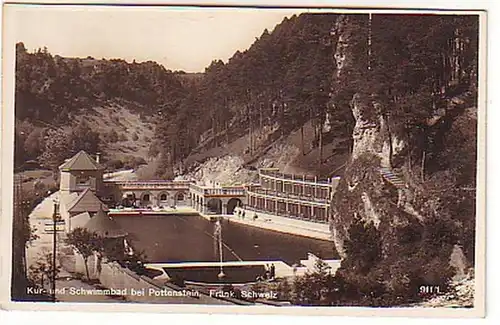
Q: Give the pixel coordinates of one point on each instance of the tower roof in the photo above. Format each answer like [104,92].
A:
[86,202]
[104,226]
[81,161]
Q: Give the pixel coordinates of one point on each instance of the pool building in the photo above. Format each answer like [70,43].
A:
[83,191]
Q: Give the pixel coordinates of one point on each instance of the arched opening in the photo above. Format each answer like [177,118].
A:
[163,200]
[128,199]
[146,199]
[179,198]
[214,206]
[232,204]
[110,200]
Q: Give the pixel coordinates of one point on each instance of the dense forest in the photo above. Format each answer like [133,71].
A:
[51,91]
[412,81]
[417,73]
[283,78]
[51,88]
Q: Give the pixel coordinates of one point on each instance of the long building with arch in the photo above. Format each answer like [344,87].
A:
[156,193]
[300,197]
[84,192]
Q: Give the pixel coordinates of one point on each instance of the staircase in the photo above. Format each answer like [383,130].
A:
[392,178]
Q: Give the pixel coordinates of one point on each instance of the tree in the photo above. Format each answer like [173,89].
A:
[84,138]
[43,269]
[57,148]
[34,143]
[363,247]
[314,288]
[86,244]
[60,144]
[20,152]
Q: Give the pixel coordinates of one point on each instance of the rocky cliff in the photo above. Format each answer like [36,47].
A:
[392,216]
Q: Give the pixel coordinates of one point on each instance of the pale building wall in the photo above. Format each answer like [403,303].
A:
[79,221]
[65,198]
[154,196]
[69,183]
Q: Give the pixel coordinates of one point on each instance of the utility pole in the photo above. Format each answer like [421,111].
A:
[320,145]
[226,109]
[250,127]
[54,250]
[281,111]
[302,140]
[54,242]
[19,263]
[422,172]
[369,41]
[261,105]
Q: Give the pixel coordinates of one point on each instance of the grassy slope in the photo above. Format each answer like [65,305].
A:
[121,118]
[284,153]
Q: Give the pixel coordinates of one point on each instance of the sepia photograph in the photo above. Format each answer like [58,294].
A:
[246,156]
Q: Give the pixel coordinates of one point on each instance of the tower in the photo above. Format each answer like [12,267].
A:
[79,173]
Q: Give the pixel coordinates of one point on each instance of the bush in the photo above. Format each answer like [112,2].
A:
[415,255]
[133,162]
[114,164]
[113,136]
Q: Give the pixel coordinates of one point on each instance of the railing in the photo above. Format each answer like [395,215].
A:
[150,184]
[285,215]
[196,188]
[234,190]
[288,196]
[297,178]
[252,187]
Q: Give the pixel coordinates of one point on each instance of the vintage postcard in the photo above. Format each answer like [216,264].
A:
[276,160]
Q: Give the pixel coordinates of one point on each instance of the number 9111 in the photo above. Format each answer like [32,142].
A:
[428,289]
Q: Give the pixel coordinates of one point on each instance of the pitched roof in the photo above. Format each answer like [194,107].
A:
[81,161]
[67,199]
[104,226]
[85,214]
[86,202]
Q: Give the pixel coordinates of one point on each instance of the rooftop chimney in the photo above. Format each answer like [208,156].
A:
[97,157]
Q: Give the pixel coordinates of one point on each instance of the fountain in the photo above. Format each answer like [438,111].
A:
[218,237]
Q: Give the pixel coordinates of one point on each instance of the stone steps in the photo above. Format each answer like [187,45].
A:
[393,178]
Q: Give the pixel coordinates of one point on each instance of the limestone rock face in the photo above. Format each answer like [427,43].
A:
[364,192]
[344,43]
[379,185]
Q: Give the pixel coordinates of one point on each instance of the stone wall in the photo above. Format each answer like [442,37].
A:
[137,288]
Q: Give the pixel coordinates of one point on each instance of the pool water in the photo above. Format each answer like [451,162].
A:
[176,238]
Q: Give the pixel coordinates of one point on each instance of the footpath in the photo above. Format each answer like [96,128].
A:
[44,244]
[281,224]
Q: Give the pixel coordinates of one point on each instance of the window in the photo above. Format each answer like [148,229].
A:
[163,197]
[145,197]
[82,180]
[180,197]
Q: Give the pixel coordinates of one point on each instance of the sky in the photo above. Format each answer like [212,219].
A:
[179,38]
